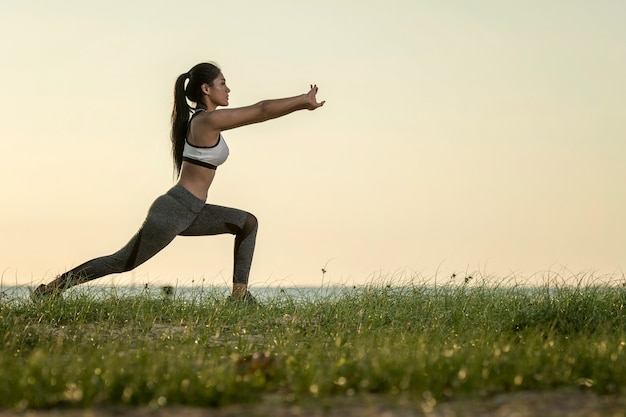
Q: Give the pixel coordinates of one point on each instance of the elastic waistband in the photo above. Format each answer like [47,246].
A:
[186,198]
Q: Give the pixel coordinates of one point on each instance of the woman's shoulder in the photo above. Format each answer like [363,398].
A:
[201,130]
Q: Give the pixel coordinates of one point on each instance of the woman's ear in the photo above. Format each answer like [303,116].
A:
[205,88]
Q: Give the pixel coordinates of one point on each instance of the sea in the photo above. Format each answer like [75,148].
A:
[23,292]
[18,293]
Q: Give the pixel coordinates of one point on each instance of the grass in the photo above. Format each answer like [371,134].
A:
[426,342]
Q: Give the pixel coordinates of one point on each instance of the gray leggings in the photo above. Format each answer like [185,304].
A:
[178,212]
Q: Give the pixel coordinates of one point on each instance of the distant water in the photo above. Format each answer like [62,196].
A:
[299,293]
[23,292]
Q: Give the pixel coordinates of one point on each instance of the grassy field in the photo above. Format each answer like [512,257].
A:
[428,343]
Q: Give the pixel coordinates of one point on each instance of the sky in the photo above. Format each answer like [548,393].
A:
[458,137]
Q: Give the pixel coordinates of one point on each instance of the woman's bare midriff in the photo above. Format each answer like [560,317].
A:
[196,179]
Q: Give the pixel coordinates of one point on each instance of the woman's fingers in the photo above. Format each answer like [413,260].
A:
[313,98]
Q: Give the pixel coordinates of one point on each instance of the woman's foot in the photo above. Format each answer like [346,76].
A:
[43,292]
[246,298]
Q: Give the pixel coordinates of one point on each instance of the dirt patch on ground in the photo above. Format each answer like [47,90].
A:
[521,404]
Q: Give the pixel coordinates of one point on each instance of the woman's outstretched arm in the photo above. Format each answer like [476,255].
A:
[224,119]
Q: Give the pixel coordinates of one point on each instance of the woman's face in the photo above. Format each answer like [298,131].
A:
[218,92]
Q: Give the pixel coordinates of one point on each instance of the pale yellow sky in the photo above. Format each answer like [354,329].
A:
[457,136]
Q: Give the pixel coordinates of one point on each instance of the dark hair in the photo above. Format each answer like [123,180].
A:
[204,73]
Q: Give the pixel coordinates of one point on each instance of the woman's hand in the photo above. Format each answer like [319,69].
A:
[312,102]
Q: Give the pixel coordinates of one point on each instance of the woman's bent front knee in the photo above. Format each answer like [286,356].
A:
[250,225]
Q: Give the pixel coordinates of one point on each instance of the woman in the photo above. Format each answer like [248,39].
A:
[198,148]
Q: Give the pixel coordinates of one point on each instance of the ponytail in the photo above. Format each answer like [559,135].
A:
[200,74]
[180,121]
